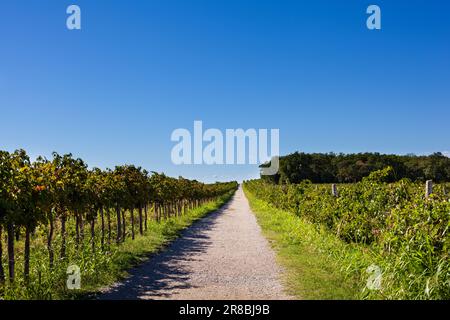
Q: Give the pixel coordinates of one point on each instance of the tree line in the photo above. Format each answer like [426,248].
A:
[350,168]
[50,193]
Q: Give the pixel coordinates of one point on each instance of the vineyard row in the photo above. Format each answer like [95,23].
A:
[57,198]
[405,227]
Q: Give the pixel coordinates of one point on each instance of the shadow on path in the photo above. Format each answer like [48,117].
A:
[163,274]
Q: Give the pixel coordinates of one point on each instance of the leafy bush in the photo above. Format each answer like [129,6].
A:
[409,232]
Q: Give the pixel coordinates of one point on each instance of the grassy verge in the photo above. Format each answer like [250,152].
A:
[102,268]
[318,265]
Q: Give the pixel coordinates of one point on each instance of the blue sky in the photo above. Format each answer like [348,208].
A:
[113,92]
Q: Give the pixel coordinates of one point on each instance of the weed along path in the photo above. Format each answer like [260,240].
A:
[222,256]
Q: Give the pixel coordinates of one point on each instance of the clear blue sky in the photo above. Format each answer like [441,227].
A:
[113,92]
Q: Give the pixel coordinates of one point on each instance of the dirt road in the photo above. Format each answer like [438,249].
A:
[222,256]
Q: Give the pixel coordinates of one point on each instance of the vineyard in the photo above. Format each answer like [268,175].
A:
[58,212]
[396,225]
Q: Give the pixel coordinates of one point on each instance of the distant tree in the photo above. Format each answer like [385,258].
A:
[346,168]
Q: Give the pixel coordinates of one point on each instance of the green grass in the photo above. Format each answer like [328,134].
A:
[101,268]
[318,265]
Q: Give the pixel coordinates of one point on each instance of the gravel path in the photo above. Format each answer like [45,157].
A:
[222,256]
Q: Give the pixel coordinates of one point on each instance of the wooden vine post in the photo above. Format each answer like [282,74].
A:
[334,191]
[428,188]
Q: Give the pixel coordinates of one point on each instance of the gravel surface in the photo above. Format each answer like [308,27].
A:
[222,256]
